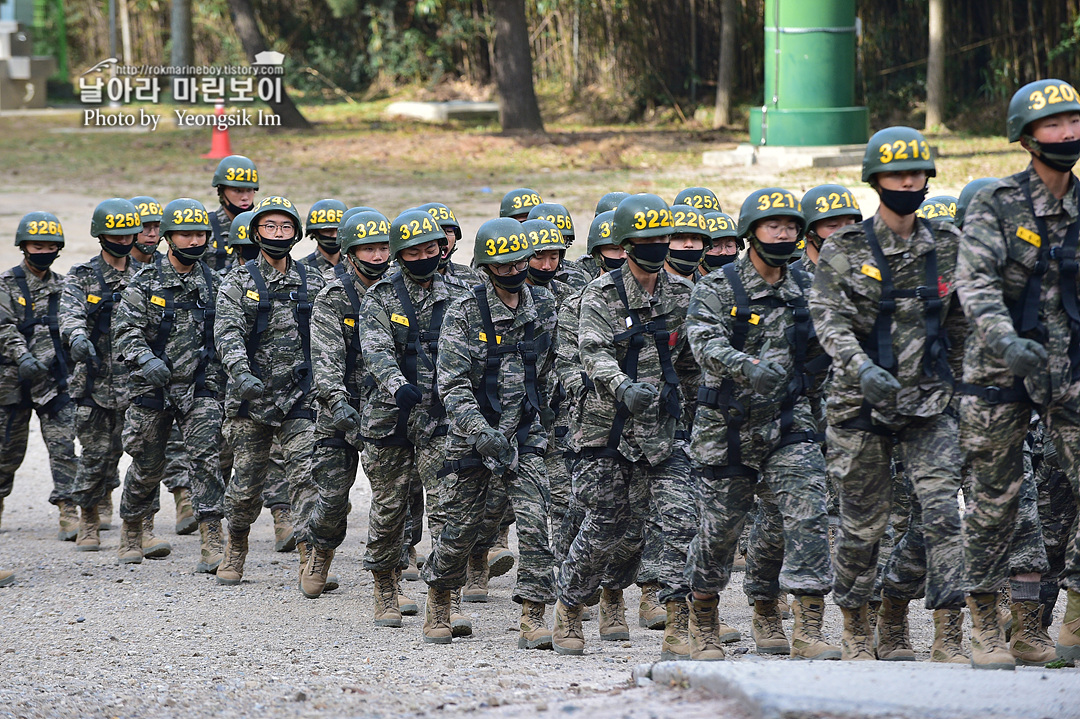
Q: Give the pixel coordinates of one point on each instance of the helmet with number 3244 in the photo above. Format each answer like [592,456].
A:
[1037,100]
[501,241]
[897,149]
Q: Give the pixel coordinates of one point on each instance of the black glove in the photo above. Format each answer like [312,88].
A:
[407,397]
[82,350]
[31,368]
[639,397]
[765,376]
[491,443]
[1024,357]
[248,386]
[878,386]
[154,369]
[345,416]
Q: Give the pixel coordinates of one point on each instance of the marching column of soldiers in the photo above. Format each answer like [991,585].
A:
[803,385]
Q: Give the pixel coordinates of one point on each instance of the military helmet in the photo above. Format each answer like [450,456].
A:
[519,202]
[363,228]
[825,201]
[412,228]
[942,207]
[689,220]
[769,202]
[601,231]
[325,215]
[443,215]
[700,198]
[116,216]
[966,196]
[239,233]
[1037,100]
[721,225]
[644,215]
[149,208]
[544,235]
[501,241]
[274,203]
[236,171]
[353,210]
[610,201]
[39,226]
[896,149]
[556,213]
[184,214]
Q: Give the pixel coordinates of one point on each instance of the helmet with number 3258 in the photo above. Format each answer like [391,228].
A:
[896,149]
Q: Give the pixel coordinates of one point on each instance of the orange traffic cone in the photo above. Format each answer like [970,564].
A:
[219,139]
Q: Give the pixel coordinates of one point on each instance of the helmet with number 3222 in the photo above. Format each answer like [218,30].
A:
[1037,100]
[184,214]
[115,216]
[644,215]
[769,202]
[896,149]
[501,241]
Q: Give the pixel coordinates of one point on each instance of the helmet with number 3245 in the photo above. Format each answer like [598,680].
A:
[897,149]
[501,241]
[1037,100]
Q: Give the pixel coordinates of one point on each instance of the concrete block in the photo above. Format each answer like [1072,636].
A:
[444,111]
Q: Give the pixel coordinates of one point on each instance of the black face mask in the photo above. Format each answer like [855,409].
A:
[420,270]
[510,283]
[41,260]
[684,262]
[649,257]
[115,249]
[610,263]
[232,209]
[774,254]
[248,252]
[714,261]
[371,270]
[1060,156]
[329,245]
[146,249]
[541,277]
[188,255]
[903,202]
[275,249]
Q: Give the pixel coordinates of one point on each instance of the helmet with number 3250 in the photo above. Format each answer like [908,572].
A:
[897,149]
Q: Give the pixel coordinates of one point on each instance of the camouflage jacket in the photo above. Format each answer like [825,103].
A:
[317,263]
[279,357]
[589,265]
[602,316]
[137,322]
[16,309]
[385,326]
[571,274]
[771,335]
[844,306]
[219,254]
[467,276]
[999,250]
[463,353]
[568,370]
[83,300]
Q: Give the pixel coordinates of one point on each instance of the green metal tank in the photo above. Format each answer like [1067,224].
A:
[809,76]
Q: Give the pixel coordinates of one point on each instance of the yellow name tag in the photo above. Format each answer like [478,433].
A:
[400,319]
[754,319]
[1032,238]
[93,299]
[253,295]
[498,338]
[871,271]
[349,321]
[155,300]
[22,301]
[228,250]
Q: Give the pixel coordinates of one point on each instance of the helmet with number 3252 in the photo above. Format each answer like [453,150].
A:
[769,202]
[897,149]
[1037,100]
[700,198]
[501,241]
[184,214]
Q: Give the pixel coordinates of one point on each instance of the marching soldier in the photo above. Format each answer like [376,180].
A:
[323,220]
[237,180]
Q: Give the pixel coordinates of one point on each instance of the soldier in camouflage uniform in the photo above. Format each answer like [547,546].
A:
[750,330]
[262,336]
[340,389]
[568,272]
[323,220]
[237,180]
[588,262]
[1017,279]
[517,203]
[724,243]
[98,382]
[163,331]
[633,348]
[495,350]
[882,304]
[34,365]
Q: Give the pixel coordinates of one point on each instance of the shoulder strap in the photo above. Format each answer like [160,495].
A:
[353,349]
[221,251]
[743,313]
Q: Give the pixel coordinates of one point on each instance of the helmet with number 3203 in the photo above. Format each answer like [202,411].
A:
[501,241]
[769,202]
[1037,100]
[897,149]
[115,216]
[184,214]
[642,216]
[517,203]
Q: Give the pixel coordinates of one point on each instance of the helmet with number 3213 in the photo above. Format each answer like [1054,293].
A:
[897,149]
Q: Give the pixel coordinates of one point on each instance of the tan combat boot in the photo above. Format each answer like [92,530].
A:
[313,574]
[284,536]
[1068,641]
[185,513]
[460,624]
[499,558]
[892,638]
[855,643]
[105,512]
[408,607]
[131,549]
[89,539]
[153,547]
[650,614]
[231,569]
[807,640]
[211,549]
[1005,614]
[988,646]
[6,577]
[1030,645]
[768,629]
[534,633]
[703,626]
[411,573]
[676,644]
[613,626]
[69,521]
[437,617]
[302,550]
[387,613]
[873,607]
[476,580]
[948,637]
[567,636]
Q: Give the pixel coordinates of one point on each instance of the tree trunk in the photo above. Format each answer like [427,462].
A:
[725,80]
[518,109]
[181,54]
[243,15]
[935,67]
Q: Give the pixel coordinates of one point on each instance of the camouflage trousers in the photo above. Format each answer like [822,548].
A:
[58,432]
[616,495]
[414,517]
[1058,517]
[861,463]
[796,558]
[473,521]
[992,438]
[146,437]
[251,444]
[899,520]
[276,489]
[177,465]
[98,431]
[335,460]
